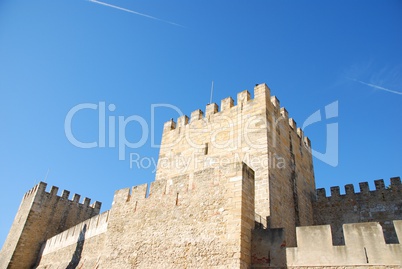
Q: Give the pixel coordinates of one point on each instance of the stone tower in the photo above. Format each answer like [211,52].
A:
[234,188]
[258,132]
[40,216]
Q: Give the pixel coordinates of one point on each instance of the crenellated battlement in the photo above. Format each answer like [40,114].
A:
[364,245]
[178,190]
[78,233]
[252,128]
[243,104]
[220,171]
[43,214]
[380,189]
[169,189]
[384,204]
[40,187]
[41,193]
[178,220]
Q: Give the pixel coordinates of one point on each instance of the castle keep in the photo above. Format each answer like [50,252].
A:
[234,188]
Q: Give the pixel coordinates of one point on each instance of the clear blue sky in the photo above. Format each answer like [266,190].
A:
[55,55]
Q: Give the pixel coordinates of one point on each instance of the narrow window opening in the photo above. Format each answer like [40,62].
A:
[206,149]
[177,198]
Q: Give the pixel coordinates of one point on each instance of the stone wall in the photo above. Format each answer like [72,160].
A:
[258,132]
[81,232]
[235,133]
[383,205]
[198,220]
[292,187]
[364,246]
[268,248]
[42,215]
[82,254]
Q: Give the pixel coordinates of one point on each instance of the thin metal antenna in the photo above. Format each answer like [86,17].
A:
[48,170]
[212,91]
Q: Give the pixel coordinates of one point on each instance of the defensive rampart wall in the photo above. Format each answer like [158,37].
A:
[197,220]
[364,247]
[258,132]
[383,205]
[42,215]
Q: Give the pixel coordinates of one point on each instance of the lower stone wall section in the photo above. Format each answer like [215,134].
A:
[198,220]
[364,246]
[383,205]
[83,254]
[268,248]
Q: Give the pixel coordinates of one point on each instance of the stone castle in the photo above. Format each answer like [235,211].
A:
[234,188]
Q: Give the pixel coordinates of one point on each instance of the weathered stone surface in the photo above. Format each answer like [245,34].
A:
[258,132]
[382,205]
[364,246]
[41,215]
[268,248]
[207,226]
[232,190]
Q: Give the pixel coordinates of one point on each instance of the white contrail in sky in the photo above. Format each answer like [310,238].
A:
[134,12]
[377,87]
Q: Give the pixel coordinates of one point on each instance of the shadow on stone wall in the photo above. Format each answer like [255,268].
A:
[268,248]
[75,260]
